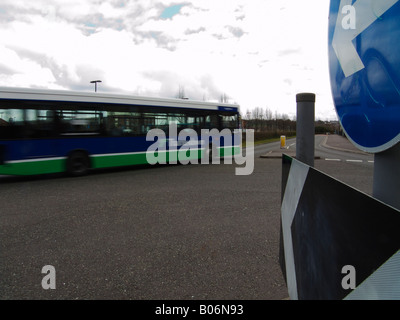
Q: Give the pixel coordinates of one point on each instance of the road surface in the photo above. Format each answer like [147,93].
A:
[153,232]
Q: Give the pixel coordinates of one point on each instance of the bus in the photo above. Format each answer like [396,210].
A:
[52,131]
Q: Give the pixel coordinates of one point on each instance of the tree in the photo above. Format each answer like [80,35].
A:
[224,98]
[181,93]
[268,114]
[257,113]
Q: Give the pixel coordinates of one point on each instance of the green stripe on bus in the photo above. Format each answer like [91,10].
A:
[33,167]
[118,160]
[101,161]
[105,161]
[229,151]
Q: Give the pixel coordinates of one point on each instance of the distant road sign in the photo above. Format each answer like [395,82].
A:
[364,61]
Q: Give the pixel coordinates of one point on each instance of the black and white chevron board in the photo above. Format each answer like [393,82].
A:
[328,229]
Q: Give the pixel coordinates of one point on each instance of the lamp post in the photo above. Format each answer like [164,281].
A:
[95,84]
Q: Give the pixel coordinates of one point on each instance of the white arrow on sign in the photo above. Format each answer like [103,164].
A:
[366,12]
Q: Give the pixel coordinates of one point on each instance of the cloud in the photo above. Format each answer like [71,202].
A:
[5,70]
[192,31]
[287,52]
[249,50]
[288,81]
[236,31]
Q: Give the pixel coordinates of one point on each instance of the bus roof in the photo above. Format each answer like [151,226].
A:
[78,96]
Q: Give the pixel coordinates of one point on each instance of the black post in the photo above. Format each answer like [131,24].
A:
[305,128]
[386,184]
[95,84]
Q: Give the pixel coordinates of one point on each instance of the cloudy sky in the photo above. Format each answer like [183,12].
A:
[259,53]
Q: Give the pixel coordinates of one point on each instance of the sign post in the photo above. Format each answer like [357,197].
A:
[386,185]
[365,80]
[305,127]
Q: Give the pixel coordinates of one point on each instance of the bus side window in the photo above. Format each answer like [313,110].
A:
[12,124]
[215,121]
[85,122]
[230,121]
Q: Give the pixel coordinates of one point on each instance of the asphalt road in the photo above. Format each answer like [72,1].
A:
[345,162]
[151,232]
[335,156]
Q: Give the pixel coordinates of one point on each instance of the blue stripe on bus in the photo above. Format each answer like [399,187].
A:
[227,109]
[49,148]
[38,148]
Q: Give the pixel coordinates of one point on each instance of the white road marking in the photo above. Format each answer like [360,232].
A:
[349,160]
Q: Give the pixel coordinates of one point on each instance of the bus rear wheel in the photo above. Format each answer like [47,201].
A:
[78,163]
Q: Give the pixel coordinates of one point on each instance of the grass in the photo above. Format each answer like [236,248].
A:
[264,141]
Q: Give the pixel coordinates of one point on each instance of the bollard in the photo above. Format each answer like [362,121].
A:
[283,142]
[305,128]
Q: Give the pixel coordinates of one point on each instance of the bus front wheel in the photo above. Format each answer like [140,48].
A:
[78,163]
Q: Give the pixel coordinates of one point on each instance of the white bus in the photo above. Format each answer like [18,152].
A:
[47,131]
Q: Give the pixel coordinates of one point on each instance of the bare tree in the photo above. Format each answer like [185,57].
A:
[224,98]
[284,116]
[268,114]
[181,93]
[257,113]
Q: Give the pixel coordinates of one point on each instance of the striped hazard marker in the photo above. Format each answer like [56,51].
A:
[336,242]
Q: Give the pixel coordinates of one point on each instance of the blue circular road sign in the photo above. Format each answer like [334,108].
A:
[364,62]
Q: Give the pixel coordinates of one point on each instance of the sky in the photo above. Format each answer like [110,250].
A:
[258,53]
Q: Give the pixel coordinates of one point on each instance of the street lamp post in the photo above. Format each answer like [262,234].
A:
[95,84]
